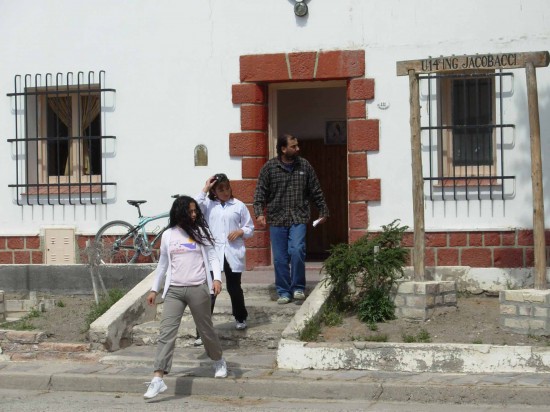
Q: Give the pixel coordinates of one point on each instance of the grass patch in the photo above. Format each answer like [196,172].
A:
[25,323]
[60,304]
[332,317]
[311,330]
[423,336]
[98,309]
[477,341]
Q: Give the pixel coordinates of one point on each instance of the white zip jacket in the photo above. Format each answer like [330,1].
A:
[223,220]
[164,267]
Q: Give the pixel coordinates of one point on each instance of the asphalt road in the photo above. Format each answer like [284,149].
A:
[23,400]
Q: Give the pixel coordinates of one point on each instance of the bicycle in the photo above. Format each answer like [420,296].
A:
[119,242]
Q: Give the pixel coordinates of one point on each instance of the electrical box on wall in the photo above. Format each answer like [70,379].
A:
[60,246]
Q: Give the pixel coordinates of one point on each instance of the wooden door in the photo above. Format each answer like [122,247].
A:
[330,164]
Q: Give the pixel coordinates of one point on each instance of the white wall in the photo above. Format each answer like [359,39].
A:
[173,62]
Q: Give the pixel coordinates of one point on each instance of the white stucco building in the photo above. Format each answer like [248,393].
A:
[154,81]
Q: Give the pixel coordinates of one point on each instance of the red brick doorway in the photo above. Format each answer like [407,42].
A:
[252,143]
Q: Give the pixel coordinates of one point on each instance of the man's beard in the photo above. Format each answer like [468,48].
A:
[290,158]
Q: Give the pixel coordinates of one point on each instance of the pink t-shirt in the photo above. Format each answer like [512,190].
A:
[187,262]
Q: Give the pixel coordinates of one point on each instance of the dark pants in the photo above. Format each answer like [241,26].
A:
[233,280]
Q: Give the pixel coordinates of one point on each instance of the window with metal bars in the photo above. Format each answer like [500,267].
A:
[465,134]
[60,138]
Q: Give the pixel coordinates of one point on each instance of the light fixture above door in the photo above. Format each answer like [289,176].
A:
[300,8]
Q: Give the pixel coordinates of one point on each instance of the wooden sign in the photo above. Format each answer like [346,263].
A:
[474,62]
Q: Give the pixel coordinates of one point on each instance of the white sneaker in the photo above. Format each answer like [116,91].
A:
[156,386]
[198,342]
[220,368]
[299,295]
[240,325]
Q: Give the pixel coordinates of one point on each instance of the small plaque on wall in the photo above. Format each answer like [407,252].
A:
[336,132]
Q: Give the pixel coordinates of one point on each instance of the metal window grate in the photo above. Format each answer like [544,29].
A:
[465,136]
[60,147]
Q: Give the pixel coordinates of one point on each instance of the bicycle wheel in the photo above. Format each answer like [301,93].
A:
[115,243]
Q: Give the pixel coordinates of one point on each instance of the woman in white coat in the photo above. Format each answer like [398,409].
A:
[230,223]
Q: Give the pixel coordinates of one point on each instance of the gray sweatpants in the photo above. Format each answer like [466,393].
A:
[176,300]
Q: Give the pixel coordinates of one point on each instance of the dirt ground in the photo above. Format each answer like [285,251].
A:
[475,321]
[65,322]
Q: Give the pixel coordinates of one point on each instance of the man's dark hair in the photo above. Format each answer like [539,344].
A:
[282,141]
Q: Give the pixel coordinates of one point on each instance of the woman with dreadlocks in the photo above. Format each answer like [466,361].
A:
[187,256]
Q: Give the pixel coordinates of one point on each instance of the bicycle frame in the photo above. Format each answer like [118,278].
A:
[146,246]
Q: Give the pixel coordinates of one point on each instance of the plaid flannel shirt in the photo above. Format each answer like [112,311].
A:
[287,195]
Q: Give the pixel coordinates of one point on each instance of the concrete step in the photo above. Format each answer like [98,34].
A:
[257,334]
[261,359]
[253,292]
[259,310]
[260,300]
[266,320]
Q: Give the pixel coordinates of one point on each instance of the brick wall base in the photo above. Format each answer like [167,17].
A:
[525,311]
[477,249]
[421,300]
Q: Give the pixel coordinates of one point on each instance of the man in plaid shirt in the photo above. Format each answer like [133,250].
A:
[286,185]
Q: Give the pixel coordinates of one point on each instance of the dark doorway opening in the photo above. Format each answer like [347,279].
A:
[312,114]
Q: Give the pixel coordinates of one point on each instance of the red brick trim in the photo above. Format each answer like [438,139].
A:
[322,65]
[363,135]
[356,109]
[256,71]
[302,65]
[248,93]
[248,144]
[361,89]
[253,117]
[251,166]
[357,165]
[364,189]
[340,64]
[244,190]
[358,215]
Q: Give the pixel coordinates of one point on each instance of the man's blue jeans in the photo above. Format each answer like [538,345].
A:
[289,258]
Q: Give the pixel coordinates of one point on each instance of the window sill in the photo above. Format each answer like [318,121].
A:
[62,190]
[466,182]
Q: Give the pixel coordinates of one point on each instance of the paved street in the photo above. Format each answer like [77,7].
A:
[22,400]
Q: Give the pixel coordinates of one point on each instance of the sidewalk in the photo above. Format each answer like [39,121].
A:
[253,375]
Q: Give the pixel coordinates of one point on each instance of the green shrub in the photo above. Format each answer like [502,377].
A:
[363,274]
[98,309]
[423,336]
[33,313]
[376,306]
